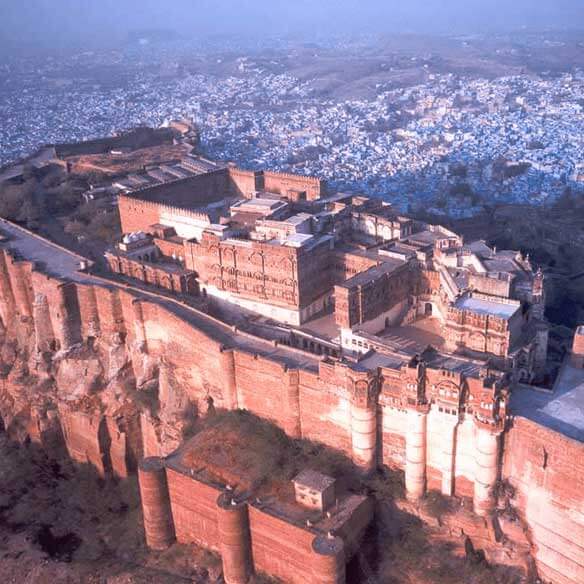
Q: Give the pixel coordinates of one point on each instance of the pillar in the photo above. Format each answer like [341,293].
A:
[111,317]
[89,311]
[20,280]
[42,323]
[227,367]
[139,330]
[486,468]
[292,401]
[328,564]
[448,458]
[416,439]
[364,436]
[64,325]
[364,391]
[234,539]
[8,305]
[158,522]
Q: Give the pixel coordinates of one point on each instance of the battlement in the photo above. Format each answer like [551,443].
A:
[284,183]
[185,211]
[220,475]
[287,175]
[171,187]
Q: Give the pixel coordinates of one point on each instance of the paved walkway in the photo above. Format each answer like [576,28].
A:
[64,264]
[52,258]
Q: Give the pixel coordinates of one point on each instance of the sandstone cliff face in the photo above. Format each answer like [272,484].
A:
[68,398]
[83,381]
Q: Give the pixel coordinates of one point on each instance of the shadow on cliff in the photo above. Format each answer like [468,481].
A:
[405,543]
[401,547]
[61,521]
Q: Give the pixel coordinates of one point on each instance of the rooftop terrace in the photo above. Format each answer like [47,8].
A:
[258,461]
[561,410]
[388,266]
[503,310]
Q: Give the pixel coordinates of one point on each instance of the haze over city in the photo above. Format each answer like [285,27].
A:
[79,22]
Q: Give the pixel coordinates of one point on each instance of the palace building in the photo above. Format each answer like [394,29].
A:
[334,269]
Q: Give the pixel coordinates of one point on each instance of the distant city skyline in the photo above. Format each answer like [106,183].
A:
[84,22]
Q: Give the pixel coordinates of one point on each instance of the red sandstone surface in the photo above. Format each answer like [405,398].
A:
[119,164]
[112,377]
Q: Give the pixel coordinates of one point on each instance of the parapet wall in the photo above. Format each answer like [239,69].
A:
[142,137]
[138,214]
[244,183]
[250,537]
[281,183]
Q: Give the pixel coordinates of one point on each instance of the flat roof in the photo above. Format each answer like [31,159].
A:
[487,307]
[248,219]
[297,219]
[386,267]
[561,410]
[376,359]
[455,364]
[480,248]
[262,206]
[399,249]
[425,237]
[297,239]
[313,480]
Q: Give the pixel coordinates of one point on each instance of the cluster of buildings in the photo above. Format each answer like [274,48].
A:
[451,144]
[349,269]
[451,326]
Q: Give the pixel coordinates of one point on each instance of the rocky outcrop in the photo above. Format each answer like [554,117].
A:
[77,376]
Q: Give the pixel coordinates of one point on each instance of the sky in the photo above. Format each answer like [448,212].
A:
[46,22]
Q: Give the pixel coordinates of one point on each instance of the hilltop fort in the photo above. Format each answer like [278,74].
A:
[332,315]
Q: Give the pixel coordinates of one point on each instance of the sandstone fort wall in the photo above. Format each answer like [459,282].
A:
[277,182]
[324,401]
[547,469]
[275,545]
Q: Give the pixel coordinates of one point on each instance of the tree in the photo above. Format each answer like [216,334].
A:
[17,201]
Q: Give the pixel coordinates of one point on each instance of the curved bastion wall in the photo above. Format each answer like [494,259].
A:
[114,378]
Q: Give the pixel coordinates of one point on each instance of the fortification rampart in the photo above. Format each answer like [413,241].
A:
[250,535]
[121,339]
[142,137]
[280,182]
[547,470]
[138,214]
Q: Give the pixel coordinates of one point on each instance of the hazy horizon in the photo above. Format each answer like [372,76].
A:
[83,22]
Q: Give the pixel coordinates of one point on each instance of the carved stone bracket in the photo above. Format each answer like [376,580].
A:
[365,391]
